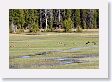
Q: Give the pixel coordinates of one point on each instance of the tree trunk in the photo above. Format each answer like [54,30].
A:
[59,15]
[40,19]
[51,18]
[46,18]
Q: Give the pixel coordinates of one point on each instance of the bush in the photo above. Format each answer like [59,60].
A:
[59,30]
[78,29]
[34,28]
[48,30]
[68,24]
[19,31]
[52,29]
[10,30]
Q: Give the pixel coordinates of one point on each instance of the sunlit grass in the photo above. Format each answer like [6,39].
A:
[22,44]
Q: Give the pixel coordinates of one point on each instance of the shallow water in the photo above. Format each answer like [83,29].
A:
[86,56]
[64,61]
[25,56]
[60,60]
[69,50]
[76,49]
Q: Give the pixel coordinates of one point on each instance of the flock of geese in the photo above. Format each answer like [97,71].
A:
[94,43]
[91,42]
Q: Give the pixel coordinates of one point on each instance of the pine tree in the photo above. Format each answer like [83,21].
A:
[90,18]
[83,18]
[68,24]
[21,18]
[52,18]
[77,17]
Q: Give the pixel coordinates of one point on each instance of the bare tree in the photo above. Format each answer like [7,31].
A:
[59,17]
[51,18]
[46,18]
[13,27]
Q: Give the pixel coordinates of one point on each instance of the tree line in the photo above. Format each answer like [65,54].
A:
[36,20]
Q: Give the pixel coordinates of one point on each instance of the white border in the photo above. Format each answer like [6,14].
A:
[102,72]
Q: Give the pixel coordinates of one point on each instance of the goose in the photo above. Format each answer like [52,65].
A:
[94,43]
[87,42]
[60,43]
[64,44]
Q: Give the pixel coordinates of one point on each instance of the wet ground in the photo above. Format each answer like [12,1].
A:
[47,52]
[58,60]
[66,60]
[55,61]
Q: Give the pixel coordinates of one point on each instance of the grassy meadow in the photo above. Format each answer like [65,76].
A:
[51,50]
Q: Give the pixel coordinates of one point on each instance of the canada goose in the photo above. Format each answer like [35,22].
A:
[87,42]
[12,46]
[60,42]
[41,53]
[27,45]
[94,43]
[64,44]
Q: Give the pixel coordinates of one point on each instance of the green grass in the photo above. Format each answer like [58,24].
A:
[22,44]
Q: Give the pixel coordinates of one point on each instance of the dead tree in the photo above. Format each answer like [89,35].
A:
[46,17]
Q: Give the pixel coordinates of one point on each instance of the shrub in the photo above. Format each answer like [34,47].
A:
[52,29]
[10,30]
[78,29]
[68,24]
[34,28]
[19,31]
[48,30]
